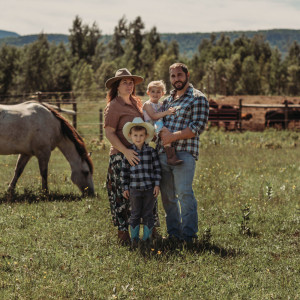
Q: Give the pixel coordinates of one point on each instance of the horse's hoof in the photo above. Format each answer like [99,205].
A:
[10,194]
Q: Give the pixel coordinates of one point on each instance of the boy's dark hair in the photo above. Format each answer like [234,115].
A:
[179,65]
[137,128]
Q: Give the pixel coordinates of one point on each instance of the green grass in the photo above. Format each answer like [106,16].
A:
[65,247]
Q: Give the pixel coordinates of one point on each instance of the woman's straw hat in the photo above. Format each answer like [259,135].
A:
[139,122]
[123,73]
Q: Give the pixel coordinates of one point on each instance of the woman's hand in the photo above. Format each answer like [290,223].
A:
[156,191]
[131,156]
[126,194]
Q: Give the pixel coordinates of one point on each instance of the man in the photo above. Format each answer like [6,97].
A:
[182,129]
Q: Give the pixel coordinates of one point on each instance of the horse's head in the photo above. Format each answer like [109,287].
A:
[82,176]
[74,149]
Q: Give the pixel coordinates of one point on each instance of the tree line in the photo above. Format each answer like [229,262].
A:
[220,66]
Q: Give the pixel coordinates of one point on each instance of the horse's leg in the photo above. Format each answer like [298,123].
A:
[21,163]
[43,158]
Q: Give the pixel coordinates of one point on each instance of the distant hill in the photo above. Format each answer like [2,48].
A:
[5,34]
[188,42]
[27,39]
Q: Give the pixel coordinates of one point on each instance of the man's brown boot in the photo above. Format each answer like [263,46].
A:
[172,158]
[123,237]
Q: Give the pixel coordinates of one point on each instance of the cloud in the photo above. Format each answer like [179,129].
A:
[56,16]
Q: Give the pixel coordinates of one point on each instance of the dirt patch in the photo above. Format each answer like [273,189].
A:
[258,120]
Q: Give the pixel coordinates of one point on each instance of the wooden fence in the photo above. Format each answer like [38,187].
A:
[234,114]
[286,107]
[59,99]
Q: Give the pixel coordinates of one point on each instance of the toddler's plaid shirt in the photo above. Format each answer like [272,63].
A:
[192,111]
[146,174]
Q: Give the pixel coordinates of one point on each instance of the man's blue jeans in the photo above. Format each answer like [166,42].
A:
[178,196]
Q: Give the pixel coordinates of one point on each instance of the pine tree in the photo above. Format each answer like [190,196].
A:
[83,40]
[35,73]
[152,50]
[116,45]
[8,67]
[60,69]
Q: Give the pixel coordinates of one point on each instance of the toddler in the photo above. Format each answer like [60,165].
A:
[152,114]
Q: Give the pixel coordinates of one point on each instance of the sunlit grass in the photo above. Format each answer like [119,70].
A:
[62,246]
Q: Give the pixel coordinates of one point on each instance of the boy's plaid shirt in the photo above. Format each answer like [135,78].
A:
[192,111]
[146,174]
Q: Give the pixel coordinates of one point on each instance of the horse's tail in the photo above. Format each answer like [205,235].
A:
[69,131]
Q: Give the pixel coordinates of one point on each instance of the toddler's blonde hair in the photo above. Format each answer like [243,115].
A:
[158,83]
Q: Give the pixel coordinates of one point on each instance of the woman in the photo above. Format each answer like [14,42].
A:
[122,107]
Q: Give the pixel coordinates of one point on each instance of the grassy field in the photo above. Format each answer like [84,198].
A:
[65,247]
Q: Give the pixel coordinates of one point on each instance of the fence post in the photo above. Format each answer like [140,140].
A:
[101,124]
[218,117]
[74,109]
[240,114]
[57,99]
[39,96]
[286,114]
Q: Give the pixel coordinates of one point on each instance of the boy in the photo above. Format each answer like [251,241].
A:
[152,114]
[141,182]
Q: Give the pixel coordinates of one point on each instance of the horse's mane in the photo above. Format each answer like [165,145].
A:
[69,131]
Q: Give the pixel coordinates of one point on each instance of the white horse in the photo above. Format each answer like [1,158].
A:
[35,129]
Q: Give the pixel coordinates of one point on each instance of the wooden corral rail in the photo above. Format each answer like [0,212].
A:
[286,108]
[280,114]
[225,115]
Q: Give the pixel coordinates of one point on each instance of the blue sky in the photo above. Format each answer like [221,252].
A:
[56,16]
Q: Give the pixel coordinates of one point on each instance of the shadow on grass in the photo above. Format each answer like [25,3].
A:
[29,196]
[165,249]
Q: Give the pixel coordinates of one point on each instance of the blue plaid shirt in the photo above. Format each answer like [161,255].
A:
[192,111]
[146,174]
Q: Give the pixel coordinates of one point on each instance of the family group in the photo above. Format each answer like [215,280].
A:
[154,149]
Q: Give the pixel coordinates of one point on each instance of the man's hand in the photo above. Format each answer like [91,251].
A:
[156,191]
[167,136]
[126,194]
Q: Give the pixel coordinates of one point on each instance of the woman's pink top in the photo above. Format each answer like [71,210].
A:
[116,114]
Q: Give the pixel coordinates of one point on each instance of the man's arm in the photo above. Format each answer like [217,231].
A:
[168,137]
[199,117]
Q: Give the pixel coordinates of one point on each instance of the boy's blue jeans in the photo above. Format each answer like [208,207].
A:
[178,196]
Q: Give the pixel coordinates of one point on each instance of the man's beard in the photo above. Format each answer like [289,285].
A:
[182,86]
